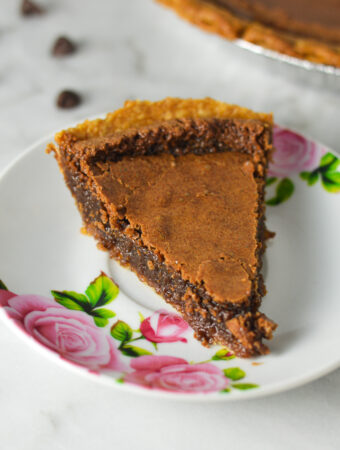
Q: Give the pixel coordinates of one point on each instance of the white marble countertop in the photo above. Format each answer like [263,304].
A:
[130,49]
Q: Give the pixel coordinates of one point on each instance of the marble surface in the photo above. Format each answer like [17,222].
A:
[130,49]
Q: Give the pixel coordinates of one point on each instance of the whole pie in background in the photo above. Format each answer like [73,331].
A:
[306,29]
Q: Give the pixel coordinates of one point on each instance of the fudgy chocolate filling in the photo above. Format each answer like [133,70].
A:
[211,320]
[205,316]
[313,18]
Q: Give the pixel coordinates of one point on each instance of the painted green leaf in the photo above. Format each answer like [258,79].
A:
[102,291]
[121,331]
[326,159]
[223,354]
[310,177]
[224,391]
[70,304]
[334,166]
[284,191]
[132,351]
[331,181]
[329,162]
[244,386]
[313,178]
[71,295]
[3,286]
[120,380]
[305,175]
[234,373]
[270,180]
[71,300]
[100,321]
[103,313]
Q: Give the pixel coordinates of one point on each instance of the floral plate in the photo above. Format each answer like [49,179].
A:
[61,294]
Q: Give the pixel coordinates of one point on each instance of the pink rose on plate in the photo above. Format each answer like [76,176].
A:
[70,333]
[169,373]
[293,154]
[163,326]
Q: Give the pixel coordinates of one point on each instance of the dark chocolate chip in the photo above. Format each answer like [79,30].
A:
[63,46]
[68,99]
[29,8]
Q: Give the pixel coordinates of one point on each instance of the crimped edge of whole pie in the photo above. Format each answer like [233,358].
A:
[224,23]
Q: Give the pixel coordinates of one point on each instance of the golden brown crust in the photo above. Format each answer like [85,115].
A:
[220,21]
[140,113]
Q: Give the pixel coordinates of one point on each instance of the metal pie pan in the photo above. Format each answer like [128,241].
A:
[300,70]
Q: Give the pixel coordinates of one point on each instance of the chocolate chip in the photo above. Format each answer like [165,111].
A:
[29,8]
[63,46]
[68,99]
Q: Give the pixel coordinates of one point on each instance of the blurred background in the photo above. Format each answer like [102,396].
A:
[127,49]
[130,49]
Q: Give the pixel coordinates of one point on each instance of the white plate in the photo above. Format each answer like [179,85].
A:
[42,249]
